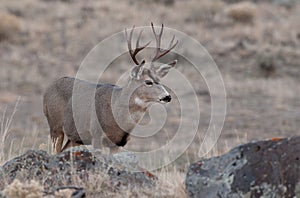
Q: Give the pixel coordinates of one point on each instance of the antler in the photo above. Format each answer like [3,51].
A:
[138,48]
[160,52]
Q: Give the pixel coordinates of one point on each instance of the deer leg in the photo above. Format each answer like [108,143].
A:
[114,150]
[57,137]
[97,143]
[59,142]
[109,147]
[69,144]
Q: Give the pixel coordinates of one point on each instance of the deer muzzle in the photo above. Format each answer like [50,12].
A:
[166,99]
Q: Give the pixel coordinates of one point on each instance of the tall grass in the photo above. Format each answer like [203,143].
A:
[5,126]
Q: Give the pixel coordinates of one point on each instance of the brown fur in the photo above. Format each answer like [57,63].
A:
[59,110]
[98,114]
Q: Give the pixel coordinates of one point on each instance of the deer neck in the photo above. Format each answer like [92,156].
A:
[129,106]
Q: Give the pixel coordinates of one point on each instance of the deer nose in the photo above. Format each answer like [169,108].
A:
[167,98]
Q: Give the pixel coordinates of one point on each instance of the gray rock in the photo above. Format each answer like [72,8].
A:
[257,169]
[55,171]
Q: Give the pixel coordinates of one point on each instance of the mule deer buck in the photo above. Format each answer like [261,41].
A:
[98,124]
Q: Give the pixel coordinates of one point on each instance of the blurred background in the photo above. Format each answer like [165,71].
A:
[256,45]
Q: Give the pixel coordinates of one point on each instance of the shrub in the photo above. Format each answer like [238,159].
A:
[204,10]
[242,12]
[10,25]
[267,64]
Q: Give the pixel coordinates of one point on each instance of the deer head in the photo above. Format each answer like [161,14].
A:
[145,78]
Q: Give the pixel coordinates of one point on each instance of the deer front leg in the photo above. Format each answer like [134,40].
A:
[97,143]
[114,150]
[57,137]
[59,142]
[109,146]
[96,132]
[69,144]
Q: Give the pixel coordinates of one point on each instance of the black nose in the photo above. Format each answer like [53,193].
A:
[167,98]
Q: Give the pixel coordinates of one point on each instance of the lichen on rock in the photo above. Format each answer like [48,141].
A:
[262,168]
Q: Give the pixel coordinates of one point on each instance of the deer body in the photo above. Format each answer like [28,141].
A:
[106,114]
[58,110]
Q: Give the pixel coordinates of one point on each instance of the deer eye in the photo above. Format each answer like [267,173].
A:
[148,82]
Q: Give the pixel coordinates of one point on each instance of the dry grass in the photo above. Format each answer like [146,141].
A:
[243,12]
[18,189]
[170,182]
[5,124]
[32,189]
[173,182]
[258,107]
[204,10]
[10,25]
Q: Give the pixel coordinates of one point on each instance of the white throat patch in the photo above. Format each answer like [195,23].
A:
[139,102]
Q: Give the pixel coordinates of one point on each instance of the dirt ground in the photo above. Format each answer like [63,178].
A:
[256,47]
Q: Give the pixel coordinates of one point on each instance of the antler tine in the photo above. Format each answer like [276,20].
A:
[171,46]
[138,40]
[158,40]
[159,52]
[138,48]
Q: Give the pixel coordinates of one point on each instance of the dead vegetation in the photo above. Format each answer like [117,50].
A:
[10,26]
[255,44]
[18,189]
[243,12]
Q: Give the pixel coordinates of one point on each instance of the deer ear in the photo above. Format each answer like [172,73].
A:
[164,69]
[137,71]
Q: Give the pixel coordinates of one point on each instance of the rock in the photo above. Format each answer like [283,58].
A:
[258,169]
[33,162]
[55,171]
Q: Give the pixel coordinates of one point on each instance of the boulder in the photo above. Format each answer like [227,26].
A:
[117,172]
[268,168]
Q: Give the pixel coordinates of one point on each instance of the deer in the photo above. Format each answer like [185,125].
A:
[101,119]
